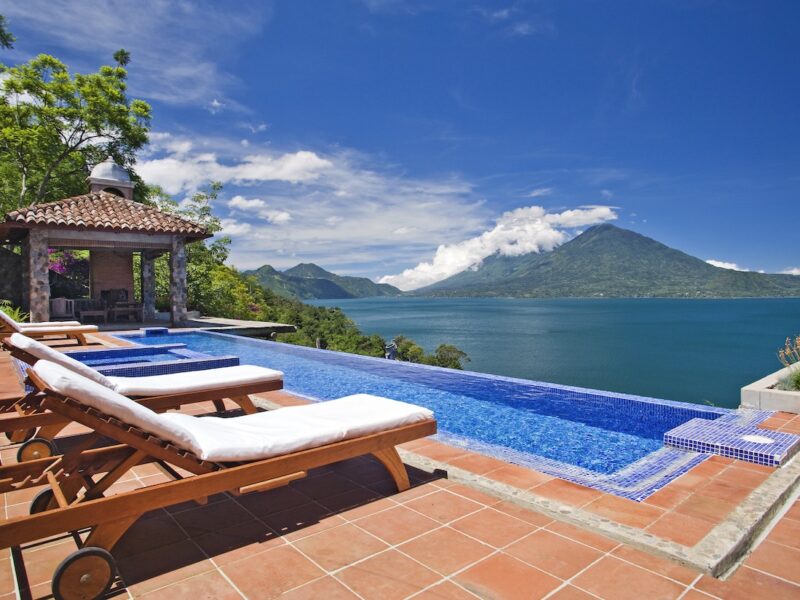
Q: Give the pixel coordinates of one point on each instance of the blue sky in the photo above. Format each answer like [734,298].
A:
[364,135]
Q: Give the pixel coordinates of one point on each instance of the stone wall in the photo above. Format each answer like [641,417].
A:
[10,277]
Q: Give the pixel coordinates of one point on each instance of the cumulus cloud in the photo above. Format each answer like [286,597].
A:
[725,265]
[176,166]
[791,271]
[233,227]
[258,207]
[341,206]
[517,232]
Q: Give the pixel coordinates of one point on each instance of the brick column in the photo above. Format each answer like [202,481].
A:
[148,285]
[38,263]
[177,286]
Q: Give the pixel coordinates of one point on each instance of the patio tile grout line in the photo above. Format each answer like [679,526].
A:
[691,556]
[190,538]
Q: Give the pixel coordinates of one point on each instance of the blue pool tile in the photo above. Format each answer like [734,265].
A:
[735,440]
[609,441]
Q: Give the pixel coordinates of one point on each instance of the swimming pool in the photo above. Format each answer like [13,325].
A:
[607,440]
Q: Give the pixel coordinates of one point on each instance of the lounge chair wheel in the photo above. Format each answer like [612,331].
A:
[86,574]
[35,448]
[42,501]
[20,435]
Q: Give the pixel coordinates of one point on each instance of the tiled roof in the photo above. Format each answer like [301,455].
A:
[105,212]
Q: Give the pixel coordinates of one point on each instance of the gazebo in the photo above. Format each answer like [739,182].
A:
[113,227]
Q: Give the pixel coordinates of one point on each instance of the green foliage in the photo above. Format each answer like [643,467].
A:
[55,125]
[791,382]
[445,355]
[14,312]
[7,38]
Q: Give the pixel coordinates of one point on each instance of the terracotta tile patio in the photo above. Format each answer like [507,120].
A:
[343,533]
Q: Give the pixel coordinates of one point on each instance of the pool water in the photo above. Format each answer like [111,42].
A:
[129,360]
[598,432]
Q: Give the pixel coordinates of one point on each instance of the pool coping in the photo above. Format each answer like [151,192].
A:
[716,554]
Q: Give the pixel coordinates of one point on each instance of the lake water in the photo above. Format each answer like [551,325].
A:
[699,351]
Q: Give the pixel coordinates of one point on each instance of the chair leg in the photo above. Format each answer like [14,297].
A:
[219,406]
[246,404]
[107,534]
[81,339]
[391,460]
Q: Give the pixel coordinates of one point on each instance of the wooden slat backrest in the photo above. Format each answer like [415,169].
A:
[18,352]
[118,430]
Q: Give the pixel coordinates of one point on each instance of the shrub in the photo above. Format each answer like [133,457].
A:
[14,312]
[791,382]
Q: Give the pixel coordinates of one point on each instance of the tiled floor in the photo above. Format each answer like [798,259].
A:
[782,421]
[344,533]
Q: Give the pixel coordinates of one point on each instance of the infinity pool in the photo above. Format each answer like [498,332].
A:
[603,439]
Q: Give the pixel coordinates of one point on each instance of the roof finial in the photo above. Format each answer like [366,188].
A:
[110,177]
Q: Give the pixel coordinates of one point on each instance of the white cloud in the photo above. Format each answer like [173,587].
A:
[539,192]
[171,164]
[725,265]
[521,231]
[260,208]
[175,52]
[606,193]
[345,209]
[791,271]
[233,227]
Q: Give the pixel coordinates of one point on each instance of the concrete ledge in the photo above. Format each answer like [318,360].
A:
[762,395]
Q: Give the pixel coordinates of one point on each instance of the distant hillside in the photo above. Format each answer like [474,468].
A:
[607,261]
[308,280]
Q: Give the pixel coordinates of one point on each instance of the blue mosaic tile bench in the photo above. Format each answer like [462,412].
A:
[185,365]
[742,442]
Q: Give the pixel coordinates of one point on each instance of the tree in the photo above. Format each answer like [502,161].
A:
[7,38]
[447,355]
[54,126]
[123,57]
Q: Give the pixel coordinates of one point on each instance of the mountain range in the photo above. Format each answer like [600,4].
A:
[308,280]
[608,261]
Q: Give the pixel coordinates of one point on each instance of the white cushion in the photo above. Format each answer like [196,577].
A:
[250,437]
[11,323]
[194,381]
[295,428]
[44,352]
[90,393]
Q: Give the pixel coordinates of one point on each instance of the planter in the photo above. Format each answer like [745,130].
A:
[762,394]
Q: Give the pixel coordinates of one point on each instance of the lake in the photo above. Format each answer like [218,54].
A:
[700,351]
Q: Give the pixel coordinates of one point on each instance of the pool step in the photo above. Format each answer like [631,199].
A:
[748,443]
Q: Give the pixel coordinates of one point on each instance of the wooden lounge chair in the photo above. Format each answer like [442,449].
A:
[236,455]
[69,329]
[26,421]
